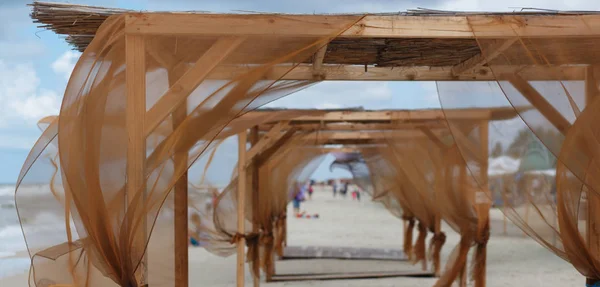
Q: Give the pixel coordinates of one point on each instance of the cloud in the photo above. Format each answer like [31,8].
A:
[21,97]
[64,64]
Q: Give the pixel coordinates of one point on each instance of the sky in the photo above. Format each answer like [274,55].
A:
[35,64]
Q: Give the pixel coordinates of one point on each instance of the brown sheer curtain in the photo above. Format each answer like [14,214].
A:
[551,193]
[114,204]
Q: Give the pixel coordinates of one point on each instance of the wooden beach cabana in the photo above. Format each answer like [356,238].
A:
[183,77]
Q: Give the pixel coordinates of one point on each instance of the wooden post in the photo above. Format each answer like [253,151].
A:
[593,201]
[181,206]
[255,189]
[241,208]
[462,277]
[135,76]
[437,230]
[483,202]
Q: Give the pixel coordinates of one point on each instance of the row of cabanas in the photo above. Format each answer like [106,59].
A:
[153,93]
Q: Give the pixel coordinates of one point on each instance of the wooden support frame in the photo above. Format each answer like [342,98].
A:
[180,198]
[480,59]
[189,81]
[318,63]
[483,199]
[266,141]
[375,26]
[593,201]
[537,100]
[417,73]
[241,207]
[254,138]
[135,76]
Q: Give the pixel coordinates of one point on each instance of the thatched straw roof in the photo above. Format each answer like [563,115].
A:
[79,23]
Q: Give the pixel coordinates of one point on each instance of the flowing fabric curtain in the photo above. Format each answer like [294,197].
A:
[194,87]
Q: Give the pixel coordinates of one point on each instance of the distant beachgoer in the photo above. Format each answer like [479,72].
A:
[334,189]
[297,199]
[356,195]
[344,190]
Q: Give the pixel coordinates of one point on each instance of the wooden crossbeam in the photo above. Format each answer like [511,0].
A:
[187,83]
[266,141]
[433,137]
[463,140]
[361,127]
[360,135]
[318,62]
[373,26]
[271,153]
[419,73]
[404,115]
[538,101]
[591,85]
[487,55]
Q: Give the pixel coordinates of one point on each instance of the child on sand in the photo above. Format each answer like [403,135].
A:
[297,199]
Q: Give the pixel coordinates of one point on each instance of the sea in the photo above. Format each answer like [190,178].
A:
[38,220]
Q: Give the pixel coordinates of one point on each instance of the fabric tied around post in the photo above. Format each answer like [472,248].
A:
[435,248]
[419,248]
[479,258]
[280,238]
[408,235]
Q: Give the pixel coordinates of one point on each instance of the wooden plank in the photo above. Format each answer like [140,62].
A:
[419,73]
[487,55]
[538,101]
[135,76]
[241,206]
[339,150]
[318,62]
[483,195]
[189,81]
[385,26]
[362,126]
[591,85]
[356,275]
[593,200]
[433,137]
[180,199]
[266,141]
[254,138]
[328,252]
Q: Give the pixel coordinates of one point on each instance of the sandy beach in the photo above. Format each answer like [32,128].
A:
[513,260]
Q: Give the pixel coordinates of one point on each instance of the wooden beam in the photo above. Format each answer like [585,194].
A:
[361,127]
[538,101]
[339,150]
[266,141]
[136,145]
[371,26]
[593,200]
[434,138]
[462,140]
[318,63]
[591,85]
[487,54]
[241,206]
[483,195]
[180,201]
[254,138]
[189,81]
[358,135]
[419,73]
